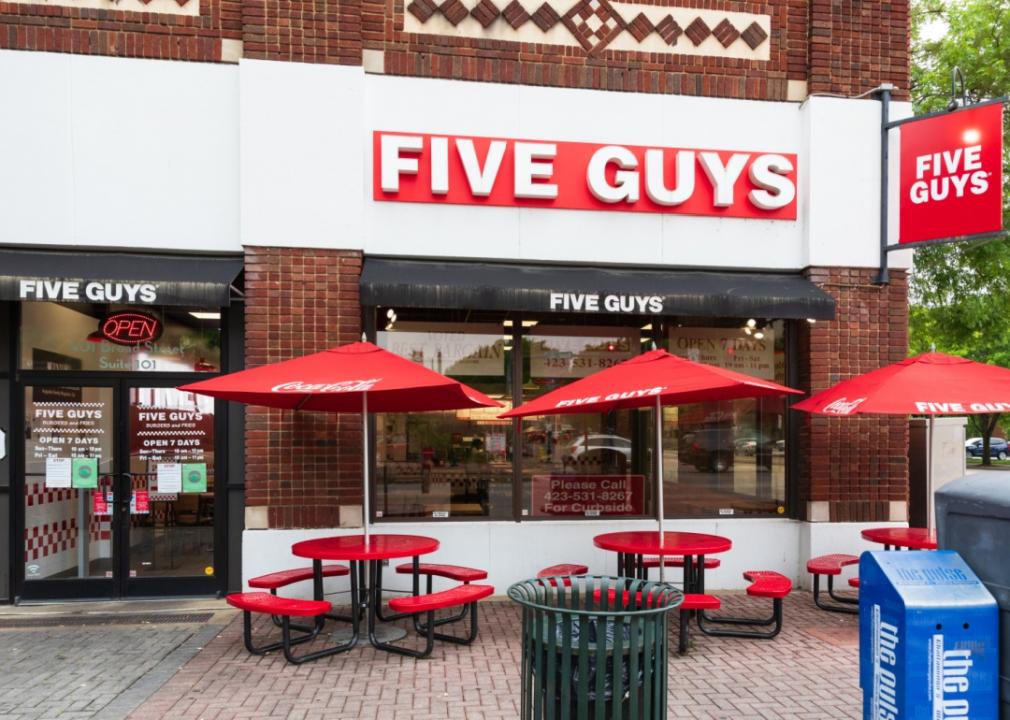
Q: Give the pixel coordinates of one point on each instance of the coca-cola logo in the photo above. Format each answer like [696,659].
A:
[298,386]
[843,406]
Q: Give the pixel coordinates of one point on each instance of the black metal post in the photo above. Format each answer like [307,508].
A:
[884,93]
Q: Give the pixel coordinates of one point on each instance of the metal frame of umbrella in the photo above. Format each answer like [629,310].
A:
[929,384]
[652,379]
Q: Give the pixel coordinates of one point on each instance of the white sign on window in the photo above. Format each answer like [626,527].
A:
[729,348]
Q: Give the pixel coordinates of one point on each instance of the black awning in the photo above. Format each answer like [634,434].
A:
[120,278]
[550,288]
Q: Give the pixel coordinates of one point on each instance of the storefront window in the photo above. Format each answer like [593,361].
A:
[456,463]
[583,465]
[79,337]
[727,458]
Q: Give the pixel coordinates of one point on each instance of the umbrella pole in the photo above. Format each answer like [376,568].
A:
[367,458]
[930,522]
[659,481]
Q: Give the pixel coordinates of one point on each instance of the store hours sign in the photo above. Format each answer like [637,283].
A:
[466,170]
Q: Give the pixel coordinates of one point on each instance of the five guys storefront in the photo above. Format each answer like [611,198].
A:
[121,486]
[518,331]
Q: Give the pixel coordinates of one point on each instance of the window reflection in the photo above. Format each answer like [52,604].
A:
[581,465]
[727,458]
[456,463]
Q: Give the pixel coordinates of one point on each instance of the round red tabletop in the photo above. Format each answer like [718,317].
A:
[353,547]
[646,542]
[915,538]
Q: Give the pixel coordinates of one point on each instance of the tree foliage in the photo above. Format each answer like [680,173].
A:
[960,293]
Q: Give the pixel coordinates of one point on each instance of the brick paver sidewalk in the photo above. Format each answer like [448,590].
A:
[810,671]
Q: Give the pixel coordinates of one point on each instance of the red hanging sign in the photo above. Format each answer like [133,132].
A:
[140,502]
[952,175]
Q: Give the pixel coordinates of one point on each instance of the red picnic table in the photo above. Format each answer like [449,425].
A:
[632,546]
[365,555]
[899,537]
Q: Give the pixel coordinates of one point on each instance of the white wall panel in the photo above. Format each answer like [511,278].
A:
[118,152]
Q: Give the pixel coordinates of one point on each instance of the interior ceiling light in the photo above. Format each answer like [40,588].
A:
[759,335]
[752,323]
[206,315]
[507,323]
[747,330]
[647,326]
[811,320]
[530,323]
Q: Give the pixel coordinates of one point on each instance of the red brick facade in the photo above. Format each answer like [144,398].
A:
[49,28]
[304,466]
[855,464]
[841,47]
[301,465]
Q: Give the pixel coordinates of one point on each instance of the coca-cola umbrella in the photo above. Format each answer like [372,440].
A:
[652,379]
[359,377]
[929,384]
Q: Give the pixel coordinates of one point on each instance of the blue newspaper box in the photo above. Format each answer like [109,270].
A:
[928,638]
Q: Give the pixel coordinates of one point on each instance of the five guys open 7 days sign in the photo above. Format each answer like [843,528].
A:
[465,170]
[952,175]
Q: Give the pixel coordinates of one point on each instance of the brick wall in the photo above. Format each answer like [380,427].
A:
[841,46]
[120,33]
[311,31]
[561,66]
[855,464]
[858,44]
[301,465]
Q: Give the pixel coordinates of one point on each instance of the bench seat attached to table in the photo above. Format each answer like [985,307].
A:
[285,609]
[765,584]
[460,596]
[831,566]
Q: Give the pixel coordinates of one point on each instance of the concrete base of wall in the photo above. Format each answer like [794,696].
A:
[512,551]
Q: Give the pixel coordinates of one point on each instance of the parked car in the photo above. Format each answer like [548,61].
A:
[585,446]
[998,448]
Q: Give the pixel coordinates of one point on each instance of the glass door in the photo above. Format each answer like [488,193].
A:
[71,490]
[119,492]
[170,461]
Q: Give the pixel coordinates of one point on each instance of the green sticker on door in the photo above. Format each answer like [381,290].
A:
[84,473]
[194,477]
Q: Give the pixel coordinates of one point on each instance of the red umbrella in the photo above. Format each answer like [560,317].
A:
[353,378]
[928,384]
[653,379]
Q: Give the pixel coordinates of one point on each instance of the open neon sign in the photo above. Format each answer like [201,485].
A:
[130,328]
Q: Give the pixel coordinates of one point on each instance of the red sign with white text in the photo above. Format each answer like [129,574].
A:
[588,495]
[952,175]
[463,170]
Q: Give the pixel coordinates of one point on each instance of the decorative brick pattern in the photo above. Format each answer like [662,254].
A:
[698,31]
[302,465]
[312,31]
[422,9]
[515,14]
[485,12]
[754,35]
[725,33]
[641,27]
[546,17]
[856,464]
[454,11]
[593,23]
[669,30]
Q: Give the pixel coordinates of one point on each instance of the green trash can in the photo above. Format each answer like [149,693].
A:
[594,647]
